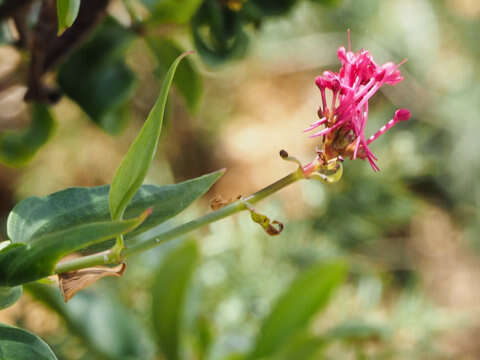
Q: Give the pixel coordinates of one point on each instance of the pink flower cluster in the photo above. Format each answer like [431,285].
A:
[345,119]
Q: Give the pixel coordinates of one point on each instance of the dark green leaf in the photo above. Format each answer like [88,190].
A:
[134,166]
[19,147]
[21,263]
[218,34]
[187,81]
[105,326]
[38,216]
[67,11]
[9,295]
[172,11]
[101,91]
[169,292]
[307,295]
[97,79]
[18,344]
[261,8]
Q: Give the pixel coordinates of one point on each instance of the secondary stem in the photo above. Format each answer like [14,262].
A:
[108,257]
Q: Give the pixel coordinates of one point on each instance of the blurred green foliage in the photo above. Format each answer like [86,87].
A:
[381,310]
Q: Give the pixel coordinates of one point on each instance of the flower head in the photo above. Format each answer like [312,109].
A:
[345,116]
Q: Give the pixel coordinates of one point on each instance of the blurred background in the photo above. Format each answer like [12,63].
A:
[410,233]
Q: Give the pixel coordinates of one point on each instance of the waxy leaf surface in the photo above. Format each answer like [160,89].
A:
[21,263]
[19,344]
[37,216]
[9,295]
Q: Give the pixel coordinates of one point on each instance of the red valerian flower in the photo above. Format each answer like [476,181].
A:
[346,116]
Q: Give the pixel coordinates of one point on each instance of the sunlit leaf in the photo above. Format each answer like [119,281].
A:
[9,295]
[134,166]
[307,295]
[19,147]
[187,80]
[104,325]
[169,290]
[19,344]
[21,263]
[67,11]
[37,216]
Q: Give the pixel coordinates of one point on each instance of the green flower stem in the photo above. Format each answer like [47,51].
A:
[109,257]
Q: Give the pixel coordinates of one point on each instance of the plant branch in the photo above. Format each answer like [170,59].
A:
[108,257]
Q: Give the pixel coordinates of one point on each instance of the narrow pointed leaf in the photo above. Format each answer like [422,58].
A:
[133,168]
[187,80]
[9,295]
[169,292]
[21,263]
[19,344]
[38,216]
[104,325]
[307,295]
[67,11]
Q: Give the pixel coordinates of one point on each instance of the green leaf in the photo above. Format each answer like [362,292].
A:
[357,330]
[134,166]
[67,11]
[172,11]
[307,295]
[301,346]
[9,295]
[169,291]
[104,325]
[18,147]
[19,344]
[97,78]
[262,8]
[38,216]
[218,34]
[187,80]
[203,337]
[21,263]
[327,2]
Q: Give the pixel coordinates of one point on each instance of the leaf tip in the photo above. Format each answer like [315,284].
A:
[186,53]
[146,214]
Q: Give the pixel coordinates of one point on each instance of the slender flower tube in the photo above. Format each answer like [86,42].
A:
[345,117]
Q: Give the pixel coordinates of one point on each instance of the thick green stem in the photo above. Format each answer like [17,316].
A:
[109,257]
